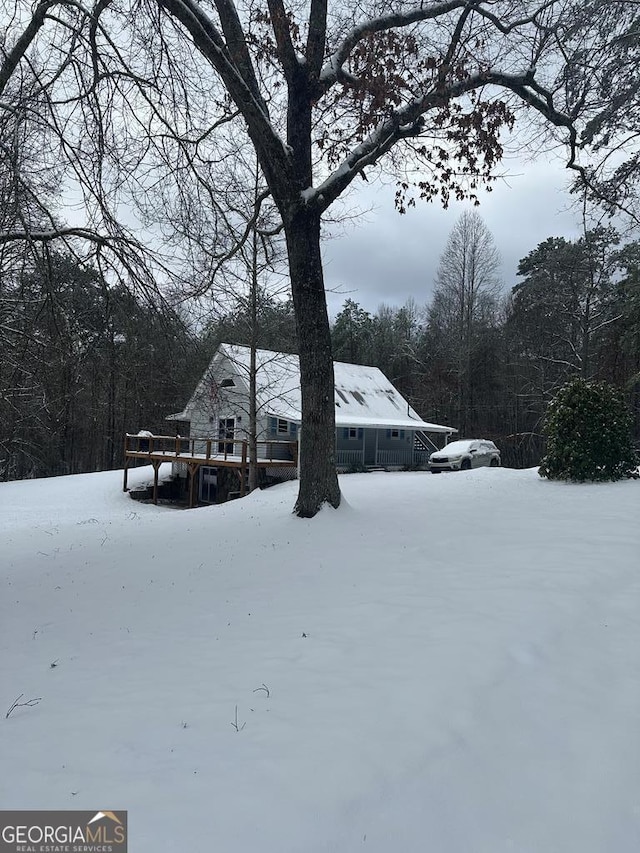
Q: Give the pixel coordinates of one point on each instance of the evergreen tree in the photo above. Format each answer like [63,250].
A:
[351,334]
[588,429]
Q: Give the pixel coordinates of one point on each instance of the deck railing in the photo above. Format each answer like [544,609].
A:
[349,457]
[392,458]
[395,457]
[213,449]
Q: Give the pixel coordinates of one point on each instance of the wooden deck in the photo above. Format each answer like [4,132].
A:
[198,452]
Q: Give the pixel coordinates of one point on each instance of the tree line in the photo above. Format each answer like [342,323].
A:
[85,361]
[82,363]
[487,360]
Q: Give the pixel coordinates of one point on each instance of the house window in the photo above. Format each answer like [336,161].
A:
[352,432]
[395,433]
[226,434]
[227,383]
[283,426]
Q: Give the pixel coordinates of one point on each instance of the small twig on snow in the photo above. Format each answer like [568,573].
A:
[18,704]
[265,688]
[235,723]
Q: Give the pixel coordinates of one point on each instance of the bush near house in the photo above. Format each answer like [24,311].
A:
[588,431]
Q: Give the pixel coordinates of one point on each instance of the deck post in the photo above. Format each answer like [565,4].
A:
[156,467]
[192,481]
[243,469]
[126,458]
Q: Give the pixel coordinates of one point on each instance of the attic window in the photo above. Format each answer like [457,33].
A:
[227,383]
[357,396]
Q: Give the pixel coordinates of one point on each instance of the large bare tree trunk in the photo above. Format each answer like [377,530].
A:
[318,476]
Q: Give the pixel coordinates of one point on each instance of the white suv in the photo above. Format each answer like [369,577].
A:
[465,454]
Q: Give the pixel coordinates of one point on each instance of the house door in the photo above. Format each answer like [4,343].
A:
[226,434]
[208,484]
[370,447]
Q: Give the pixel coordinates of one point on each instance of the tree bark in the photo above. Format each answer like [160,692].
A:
[318,476]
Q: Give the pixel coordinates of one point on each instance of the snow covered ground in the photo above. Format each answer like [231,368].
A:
[447,664]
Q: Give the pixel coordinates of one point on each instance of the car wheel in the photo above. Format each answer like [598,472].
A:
[466,465]
[494,463]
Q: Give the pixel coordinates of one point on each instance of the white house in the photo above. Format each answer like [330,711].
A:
[375,425]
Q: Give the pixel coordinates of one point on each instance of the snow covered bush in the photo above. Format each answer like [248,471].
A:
[588,431]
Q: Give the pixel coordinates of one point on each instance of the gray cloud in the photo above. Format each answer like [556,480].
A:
[388,258]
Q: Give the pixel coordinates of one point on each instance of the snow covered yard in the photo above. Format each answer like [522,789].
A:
[447,664]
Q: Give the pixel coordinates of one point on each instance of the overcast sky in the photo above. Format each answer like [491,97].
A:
[383,257]
[387,258]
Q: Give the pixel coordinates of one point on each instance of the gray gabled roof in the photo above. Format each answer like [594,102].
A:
[364,397]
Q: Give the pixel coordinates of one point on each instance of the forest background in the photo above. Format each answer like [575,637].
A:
[84,361]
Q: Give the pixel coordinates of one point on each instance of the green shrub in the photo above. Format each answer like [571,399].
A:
[588,430]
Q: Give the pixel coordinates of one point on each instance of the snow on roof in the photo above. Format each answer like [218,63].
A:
[364,397]
[184,415]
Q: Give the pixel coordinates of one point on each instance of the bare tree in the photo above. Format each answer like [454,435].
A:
[235,262]
[420,89]
[258,258]
[465,299]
